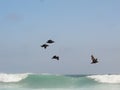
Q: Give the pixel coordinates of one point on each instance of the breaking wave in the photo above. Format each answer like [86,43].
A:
[28,80]
[114,79]
[12,77]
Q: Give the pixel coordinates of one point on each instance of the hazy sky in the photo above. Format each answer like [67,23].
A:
[78,27]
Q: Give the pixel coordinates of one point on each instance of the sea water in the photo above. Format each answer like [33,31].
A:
[29,81]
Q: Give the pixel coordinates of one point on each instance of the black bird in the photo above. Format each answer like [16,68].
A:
[44,46]
[94,60]
[50,41]
[55,57]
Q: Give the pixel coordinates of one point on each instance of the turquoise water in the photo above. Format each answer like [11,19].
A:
[58,82]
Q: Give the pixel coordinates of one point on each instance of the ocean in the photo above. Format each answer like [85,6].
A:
[29,81]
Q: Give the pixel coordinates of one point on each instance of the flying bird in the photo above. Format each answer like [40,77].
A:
[50,41]
[94,60]
[55,57]
[44,46]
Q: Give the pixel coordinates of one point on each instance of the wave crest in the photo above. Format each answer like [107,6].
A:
[12,77]
[106,78]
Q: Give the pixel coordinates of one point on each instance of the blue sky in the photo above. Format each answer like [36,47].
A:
[79,27]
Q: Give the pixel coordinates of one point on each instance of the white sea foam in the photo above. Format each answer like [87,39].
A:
[12,77]
[106,78]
